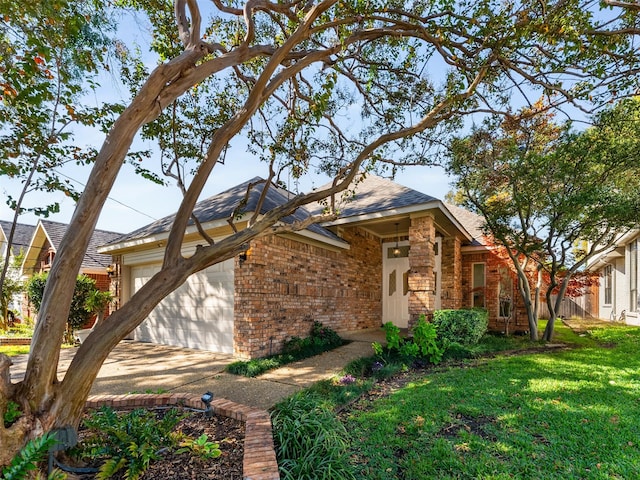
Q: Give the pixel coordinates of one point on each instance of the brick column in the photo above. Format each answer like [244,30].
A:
[451,273]
[421,262]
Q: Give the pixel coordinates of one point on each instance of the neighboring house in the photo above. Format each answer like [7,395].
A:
[21,237]
[618,269]
[393,255]
[44,243]
[19,244]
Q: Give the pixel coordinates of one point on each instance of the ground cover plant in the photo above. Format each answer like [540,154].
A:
[167,443]
[562,414]
[321,339]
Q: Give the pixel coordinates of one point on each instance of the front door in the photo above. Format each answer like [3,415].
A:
[395,284]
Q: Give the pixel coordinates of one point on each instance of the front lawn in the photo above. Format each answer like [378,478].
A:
[13,350]
[565,415]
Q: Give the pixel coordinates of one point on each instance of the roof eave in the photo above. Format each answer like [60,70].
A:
[333,242]
[610,253]
[434,204]
[162,237]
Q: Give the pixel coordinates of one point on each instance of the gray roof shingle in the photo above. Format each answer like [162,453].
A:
[21,237]
[222,206]
[472,222]
[92,259]
[374,194]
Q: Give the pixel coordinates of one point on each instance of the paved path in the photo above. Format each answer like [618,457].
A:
[144,367]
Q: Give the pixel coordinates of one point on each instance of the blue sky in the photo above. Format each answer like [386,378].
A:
[135,202]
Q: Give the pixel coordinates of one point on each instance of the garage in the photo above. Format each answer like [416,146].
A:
[199,314]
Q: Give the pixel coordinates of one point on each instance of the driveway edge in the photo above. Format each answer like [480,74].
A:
[259,461]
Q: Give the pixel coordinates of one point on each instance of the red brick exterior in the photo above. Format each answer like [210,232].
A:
[422,237]
[493,262]
[451,273]
[284,285]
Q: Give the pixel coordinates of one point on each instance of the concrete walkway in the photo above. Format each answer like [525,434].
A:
[149,368]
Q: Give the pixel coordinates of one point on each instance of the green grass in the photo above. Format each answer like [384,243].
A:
[557,415]
[13,350]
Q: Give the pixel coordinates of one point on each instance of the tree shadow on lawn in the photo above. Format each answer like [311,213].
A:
[574,412]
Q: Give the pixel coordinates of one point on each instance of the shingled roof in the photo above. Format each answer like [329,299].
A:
[372,194]
[223,205]
[92,259]
[21,237]
[473,222]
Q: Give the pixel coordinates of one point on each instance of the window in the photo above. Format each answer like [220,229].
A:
[608,291]
[633,276]
[477,291]
[505,293]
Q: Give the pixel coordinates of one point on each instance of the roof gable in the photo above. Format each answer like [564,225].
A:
[473,223]
[222,206]
[51,233]
[21,237]
[372,194]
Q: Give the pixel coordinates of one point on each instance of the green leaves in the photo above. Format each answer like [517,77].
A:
[49,54]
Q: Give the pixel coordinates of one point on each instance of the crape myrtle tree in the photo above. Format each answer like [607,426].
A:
[293,77]
[552,197]
[50,54]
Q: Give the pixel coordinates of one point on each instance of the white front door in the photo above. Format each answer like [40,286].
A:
[395,284]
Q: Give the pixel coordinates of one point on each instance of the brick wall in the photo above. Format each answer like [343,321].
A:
[284,286]
[451,290]
[493,262]
[422,236]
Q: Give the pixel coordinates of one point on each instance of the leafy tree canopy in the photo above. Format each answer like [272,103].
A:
[344,86]
[552,196]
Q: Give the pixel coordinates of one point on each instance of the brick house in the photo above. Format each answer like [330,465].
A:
[393,254]
[43,245]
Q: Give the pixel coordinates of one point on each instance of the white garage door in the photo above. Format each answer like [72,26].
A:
[199,314]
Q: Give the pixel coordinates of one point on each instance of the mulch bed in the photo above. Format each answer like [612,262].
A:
[229,433]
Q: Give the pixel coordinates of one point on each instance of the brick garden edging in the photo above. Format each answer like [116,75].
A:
[15,341]
[259,461]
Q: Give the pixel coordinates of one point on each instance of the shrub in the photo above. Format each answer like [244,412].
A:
[78,315]
[465,327]
[311,443]
[423,345]
[425,336]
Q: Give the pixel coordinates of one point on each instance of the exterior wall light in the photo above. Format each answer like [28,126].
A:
[396,251]
[110,270]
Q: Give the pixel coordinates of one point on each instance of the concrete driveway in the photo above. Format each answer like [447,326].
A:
[136,367]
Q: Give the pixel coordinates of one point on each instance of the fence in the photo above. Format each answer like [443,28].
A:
[585,306]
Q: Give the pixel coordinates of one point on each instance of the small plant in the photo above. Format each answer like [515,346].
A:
[12,413]
[26,460]
[130,440]
[394,340]
[201,446]
[425,338]
[423,345]
[347,380]
[310,440]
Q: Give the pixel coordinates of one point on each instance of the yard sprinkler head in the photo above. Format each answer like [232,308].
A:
[206,399]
